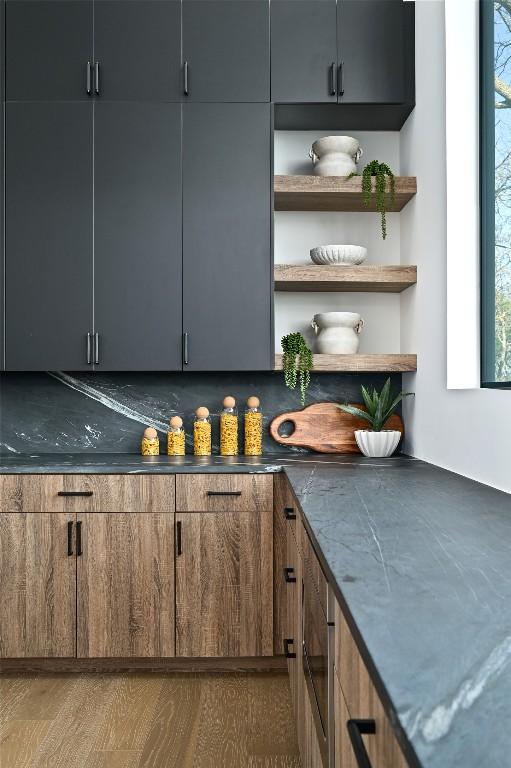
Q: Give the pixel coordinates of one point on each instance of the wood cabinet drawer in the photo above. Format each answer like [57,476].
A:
[362,700]
[94,493]
[311,562]
[224,493]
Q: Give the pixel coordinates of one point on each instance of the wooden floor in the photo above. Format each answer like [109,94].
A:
[178,720]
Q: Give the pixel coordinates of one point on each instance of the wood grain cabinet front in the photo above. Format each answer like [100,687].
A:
[224,493]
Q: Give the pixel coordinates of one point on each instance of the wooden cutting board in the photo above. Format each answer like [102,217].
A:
[325,428]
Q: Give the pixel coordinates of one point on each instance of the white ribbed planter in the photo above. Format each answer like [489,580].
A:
[377,445]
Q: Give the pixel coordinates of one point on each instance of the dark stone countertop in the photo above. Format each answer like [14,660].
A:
[421,560]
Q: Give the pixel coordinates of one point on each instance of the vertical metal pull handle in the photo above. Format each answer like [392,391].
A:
[96,78]
[89,349]
[288,642]
[185,348]
[88,78]
[357,728]
[332,79]
[79,551]
[70,538]
[289,575]
[185,78]
[340,79]
[96,348]
[289,513]
[179,538]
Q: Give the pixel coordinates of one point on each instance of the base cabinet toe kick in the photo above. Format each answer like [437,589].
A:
[186,571]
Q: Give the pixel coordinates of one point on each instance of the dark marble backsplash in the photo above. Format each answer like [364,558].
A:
[106,413]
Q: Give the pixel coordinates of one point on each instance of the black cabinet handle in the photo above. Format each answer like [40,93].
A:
[96,348]
[340,79]
[70,538]
[288,642]
[288,575]
[79,538]
[179,541]
[357,728]
[332,79]
[289,513]
[96,78]
[185,349]
[223,493]
[185,78]
[89,349]
[88,78]
[75,493]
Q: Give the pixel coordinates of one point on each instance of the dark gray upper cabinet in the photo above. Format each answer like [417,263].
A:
[227,264]
[137,243]
[303,51]
[48,45]
[48,211]
[137,44]
[372,51]
[226,50]
[2,113]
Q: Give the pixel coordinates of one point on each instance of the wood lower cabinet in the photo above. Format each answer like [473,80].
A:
[38,586]
[224,581]
[125,578]
[343,751]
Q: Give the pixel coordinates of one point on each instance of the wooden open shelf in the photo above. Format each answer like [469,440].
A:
[368,278]
[394,363]
[334,193]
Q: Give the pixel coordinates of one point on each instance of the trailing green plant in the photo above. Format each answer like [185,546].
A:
[380,406]
[297,363]
[381,171]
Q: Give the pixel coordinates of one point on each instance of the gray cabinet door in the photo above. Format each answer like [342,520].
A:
[227,265]
[226,50]
[48,45]
[372,51]
[137,44]
[303,51]
[48,209]
[137,242]
[2,113]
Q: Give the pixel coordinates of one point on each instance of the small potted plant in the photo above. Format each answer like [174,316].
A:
[377,442]
[381,172]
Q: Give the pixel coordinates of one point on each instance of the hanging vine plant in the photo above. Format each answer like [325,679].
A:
[297,363]
[382,172]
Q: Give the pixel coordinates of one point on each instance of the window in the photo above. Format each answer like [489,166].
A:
[496,193]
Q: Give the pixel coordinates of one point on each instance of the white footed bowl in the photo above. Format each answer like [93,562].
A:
[377,445]
[339,254]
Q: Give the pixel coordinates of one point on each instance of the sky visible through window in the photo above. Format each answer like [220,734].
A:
[502,61]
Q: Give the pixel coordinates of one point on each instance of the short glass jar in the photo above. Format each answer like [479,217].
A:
[176,437]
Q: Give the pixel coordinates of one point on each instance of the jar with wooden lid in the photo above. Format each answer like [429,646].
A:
[202,432]
[229,428]
[150,445]
[176,437]
[253,427]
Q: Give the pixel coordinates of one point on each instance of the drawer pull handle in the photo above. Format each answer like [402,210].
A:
[70,538]
[288,575]
[288,642]
[357,728]
[179,539]
[289,513]
[223,493]
[75,493]
[79,550]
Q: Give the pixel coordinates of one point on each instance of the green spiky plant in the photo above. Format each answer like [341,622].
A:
[382,172]
[380,406]
[297,363]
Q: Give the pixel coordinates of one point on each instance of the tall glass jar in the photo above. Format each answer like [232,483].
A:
[253,428]
[150,445]
[176,437]
[229,428]
[202,432]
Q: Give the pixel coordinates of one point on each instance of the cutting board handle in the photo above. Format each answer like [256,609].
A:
[277,422]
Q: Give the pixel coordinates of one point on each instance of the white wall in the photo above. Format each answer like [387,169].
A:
[467,431]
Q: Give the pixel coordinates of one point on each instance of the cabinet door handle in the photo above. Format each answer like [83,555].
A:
[340,79]
[96,348]
[96,78]
[179,537]
[89,348]
[74,493]
[70,538]
[223,493]
[185,78]
[288,642]
[332,79]
[288,575]
[79,551]
[185,349]
[357,728]
[289,513]
[88,78]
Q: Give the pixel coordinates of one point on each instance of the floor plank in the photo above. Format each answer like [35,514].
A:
[12,692]
[270,722]
[117,759]
[19,741]
[44,698]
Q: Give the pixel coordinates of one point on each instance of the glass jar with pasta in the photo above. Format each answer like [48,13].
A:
[202,432]
[229,428]
[176,437]
[253,427]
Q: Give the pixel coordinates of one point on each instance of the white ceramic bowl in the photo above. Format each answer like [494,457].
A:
[338,254]
[377,444]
